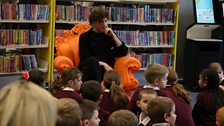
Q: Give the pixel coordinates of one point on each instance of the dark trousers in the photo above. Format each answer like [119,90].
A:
[91,69]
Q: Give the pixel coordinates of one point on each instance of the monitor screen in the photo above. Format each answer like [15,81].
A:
[204,11]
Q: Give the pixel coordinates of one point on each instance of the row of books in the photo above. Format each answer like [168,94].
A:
[122,14]
[146,38]
[23,11]
[145,59]
[20,37]
[72,13]
[17,62]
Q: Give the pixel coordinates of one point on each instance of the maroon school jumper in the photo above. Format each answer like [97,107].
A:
[183,109]
[68,93]
[132,104]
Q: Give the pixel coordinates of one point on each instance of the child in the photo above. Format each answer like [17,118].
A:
[34,75]
[145,96]
[71,84]
[113,97]
[220,117]
[92,90]
[181,98]
[23,103]
[209,99]
[89,113]
[122,118]
[218,68]
[156,76]
[162,110]
[69,112]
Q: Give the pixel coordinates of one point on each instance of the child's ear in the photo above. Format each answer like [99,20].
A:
[138,104]
[69,82]
[205,83]
[156,81]
[166,117]
[85,122]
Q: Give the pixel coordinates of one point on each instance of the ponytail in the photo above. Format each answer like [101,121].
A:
[181,92]
[57,85]
[118,95]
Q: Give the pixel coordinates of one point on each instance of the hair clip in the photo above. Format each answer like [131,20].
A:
[25,75]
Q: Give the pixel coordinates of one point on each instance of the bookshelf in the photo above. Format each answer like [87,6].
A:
[149,38]
[26,36]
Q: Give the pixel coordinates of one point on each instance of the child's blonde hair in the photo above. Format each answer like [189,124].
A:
[122,118]
[69,112]
[23,103]
[215,66]
[146,91]
[158,107]
[155,71]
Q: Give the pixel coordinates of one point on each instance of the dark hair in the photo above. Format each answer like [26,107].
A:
[62,80]
[98,14]
[111,81]
[212,78]
[91,90]
[70,74]
[177,88]
[36,76]
[88,107]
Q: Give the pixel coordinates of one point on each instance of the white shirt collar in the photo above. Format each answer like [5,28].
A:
[68,89]
[107,90]
[145,121]
[150,86]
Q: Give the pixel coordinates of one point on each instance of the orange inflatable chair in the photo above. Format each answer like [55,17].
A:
[67,51]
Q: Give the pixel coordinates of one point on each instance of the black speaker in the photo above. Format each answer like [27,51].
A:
[197,56]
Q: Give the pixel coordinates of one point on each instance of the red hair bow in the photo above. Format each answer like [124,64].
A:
[25,75]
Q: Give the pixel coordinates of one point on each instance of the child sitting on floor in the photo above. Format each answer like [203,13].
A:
[145,96]
[156,76]
[70,84]
[161,110]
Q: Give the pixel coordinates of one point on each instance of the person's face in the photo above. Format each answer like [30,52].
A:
[220,72]
[171,119]
[201,82]
[162,81]
[100,26]
[76,84]
[143,102]
[94,121]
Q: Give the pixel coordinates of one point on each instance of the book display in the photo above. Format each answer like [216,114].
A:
[148,28]
[25,36]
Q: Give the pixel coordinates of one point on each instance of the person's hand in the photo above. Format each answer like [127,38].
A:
[105,65]
[109,31]
[221,87]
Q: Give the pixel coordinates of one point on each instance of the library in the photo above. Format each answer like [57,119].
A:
[40,42]
[182,36]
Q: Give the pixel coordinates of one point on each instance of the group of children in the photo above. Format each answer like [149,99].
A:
[161,102]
